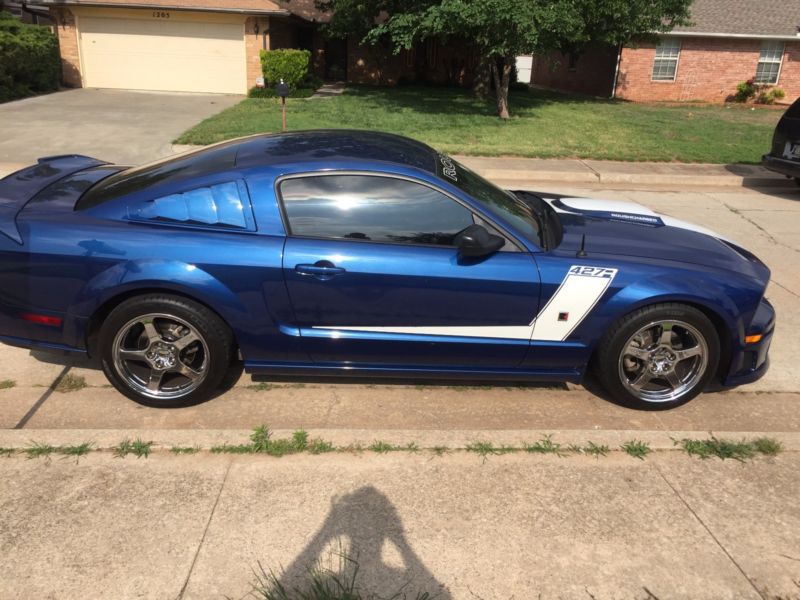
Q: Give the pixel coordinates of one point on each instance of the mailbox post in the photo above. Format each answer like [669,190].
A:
[283,90]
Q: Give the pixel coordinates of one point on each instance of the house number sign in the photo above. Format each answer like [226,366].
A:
[160,14]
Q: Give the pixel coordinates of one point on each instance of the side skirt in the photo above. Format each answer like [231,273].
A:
[283,369]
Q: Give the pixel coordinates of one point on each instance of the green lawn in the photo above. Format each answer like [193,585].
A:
[543,124]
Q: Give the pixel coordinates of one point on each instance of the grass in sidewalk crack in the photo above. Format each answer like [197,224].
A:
[137,447]
[636,449]
[70,383]
[546,445]
[185,449]
[740,450]
[7,384]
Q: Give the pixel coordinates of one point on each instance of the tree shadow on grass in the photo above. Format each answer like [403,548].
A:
[448,101]
[380,561]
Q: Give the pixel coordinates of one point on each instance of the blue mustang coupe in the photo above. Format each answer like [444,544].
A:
[325,253]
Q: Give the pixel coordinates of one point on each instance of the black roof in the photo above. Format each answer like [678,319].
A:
[335,145]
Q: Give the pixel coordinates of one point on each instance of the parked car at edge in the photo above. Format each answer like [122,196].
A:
[348,253]
[784,157]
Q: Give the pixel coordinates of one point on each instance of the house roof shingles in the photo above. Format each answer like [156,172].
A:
[744,17]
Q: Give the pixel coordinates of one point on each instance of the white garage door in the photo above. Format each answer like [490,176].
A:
[162,54]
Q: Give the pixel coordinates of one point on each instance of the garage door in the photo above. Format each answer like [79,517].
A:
[161,54]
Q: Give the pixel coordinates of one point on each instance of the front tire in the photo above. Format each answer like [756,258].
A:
[165,351]
[658,357]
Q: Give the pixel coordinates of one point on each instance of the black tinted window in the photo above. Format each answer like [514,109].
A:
[379,209]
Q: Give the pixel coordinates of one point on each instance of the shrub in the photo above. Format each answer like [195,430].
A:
[769,96]
[29,59]
[289,65]
[760,93]
[745,91]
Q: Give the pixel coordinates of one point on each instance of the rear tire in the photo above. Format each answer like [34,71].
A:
[165,351]
[658,357]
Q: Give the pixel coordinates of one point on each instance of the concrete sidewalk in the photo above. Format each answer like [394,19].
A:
[607,172]
[458,527]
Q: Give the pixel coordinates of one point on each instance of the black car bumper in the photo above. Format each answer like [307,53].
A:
[784,166]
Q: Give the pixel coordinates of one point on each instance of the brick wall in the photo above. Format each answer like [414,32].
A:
[64,25]
[254,42]
[593,71]
[708,70]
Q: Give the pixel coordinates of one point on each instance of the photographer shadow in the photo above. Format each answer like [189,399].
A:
[379,560]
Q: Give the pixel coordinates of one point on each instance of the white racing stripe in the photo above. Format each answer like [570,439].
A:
[578,293]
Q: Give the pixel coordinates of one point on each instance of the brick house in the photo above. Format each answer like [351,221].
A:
[729,41]
[213,46]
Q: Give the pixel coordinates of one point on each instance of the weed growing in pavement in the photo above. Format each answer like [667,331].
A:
[136,447]
[337,578]
[440,450]
[39,450]
[185,449]
[7,451]
[7,384]
[380,447]
[266,387]
[546,445]
[483,449]
[724,449]
[77,451]
[262,442]
[768,446]
[320,447]
[596,450]
[70,383]
[637,449]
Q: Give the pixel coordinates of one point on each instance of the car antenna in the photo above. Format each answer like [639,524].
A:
[582,252]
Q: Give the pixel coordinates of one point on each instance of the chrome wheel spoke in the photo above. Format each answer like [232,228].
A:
[666,335]
[189,338]
[132,355]
[673,380]
[637,352]
[151,332]
[187,371]
[641,379]
[154,381]
[688,353]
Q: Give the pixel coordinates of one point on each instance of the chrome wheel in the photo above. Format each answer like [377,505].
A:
[663,360]
[160,356]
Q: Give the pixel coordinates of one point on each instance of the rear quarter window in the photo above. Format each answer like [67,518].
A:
[224,205]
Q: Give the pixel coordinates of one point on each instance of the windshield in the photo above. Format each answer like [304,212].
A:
[499,203]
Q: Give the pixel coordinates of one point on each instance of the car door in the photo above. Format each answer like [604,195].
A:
[374,278]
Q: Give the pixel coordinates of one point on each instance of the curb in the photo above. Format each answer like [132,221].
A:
[106,439]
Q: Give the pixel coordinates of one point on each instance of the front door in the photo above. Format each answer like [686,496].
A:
[374,278]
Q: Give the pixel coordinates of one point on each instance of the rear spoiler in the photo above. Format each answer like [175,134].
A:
[19,187]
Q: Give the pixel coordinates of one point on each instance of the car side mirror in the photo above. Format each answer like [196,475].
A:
[475,241]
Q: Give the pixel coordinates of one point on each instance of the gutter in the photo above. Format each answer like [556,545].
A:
[241,11]
[749,36]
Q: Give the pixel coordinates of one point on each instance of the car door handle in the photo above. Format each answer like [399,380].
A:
[322,269]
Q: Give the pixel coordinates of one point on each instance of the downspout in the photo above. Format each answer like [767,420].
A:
[616,72]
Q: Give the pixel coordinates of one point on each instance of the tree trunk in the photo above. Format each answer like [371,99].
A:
[502,79]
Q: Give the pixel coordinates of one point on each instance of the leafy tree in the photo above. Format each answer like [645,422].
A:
[503,29]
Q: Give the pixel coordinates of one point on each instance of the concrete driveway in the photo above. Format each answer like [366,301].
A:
[119,126]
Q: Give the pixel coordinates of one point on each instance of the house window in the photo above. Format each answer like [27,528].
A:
[665,66]
[769,62]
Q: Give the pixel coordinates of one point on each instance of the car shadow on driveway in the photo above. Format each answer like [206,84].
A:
[362,543]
